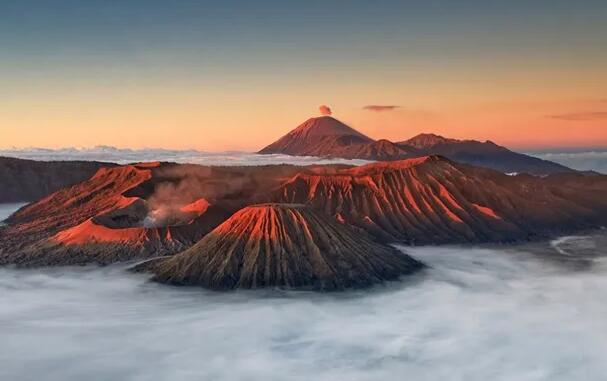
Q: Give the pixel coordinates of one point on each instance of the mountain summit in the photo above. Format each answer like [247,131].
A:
[426,141]
[327,136]
[322,136]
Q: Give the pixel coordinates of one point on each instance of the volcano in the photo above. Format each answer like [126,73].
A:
[132,212]
[146,210]
[283,245]
[432,199]
[327,136]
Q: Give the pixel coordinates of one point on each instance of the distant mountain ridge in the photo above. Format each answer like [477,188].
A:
[328,137]
[484,154]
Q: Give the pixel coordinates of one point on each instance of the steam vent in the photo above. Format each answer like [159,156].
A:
[282,245]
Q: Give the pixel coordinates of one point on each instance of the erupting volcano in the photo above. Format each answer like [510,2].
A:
[282,245]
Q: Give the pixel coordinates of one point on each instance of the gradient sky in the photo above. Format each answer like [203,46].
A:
[219,75]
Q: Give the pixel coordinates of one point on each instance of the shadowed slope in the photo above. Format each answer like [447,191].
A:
[29,180]
[277,245]
[484,154]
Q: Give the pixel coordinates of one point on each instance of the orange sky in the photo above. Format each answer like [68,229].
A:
[238,75]
[214,120]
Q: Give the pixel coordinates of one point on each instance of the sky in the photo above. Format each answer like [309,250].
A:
[236,75]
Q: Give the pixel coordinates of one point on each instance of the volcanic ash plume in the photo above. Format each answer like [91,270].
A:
[324,110]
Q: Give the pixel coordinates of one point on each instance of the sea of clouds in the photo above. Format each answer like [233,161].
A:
[482,313]
[591,160]
[126,155]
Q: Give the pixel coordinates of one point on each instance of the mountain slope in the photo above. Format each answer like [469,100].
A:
[132,211]
[29,180]
[435,200]
[146,210]
[484,154]
[278,245]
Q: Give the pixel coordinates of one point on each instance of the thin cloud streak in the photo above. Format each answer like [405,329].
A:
[380,108]
[581,116]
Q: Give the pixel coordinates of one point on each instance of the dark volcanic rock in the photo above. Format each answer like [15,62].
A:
[278,245]
[29,180]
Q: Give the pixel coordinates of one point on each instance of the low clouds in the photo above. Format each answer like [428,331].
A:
[380,108]
[378,334]
[585,161]
[324,110]
[124,156]
[580,116]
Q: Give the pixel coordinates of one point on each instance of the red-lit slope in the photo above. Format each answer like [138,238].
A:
[434,200]
[139,211]
[95,221]
[134,211]
[278,245]
[69,207]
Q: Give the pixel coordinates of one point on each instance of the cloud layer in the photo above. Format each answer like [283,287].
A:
[580,116]
[380,108]
[125,155]
[516,316]
[588,161]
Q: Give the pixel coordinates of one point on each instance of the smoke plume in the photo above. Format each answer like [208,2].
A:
[324,110]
